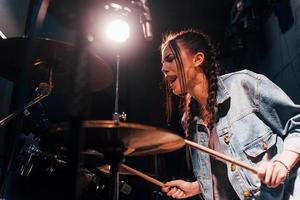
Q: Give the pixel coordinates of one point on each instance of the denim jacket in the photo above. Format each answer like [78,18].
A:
[256,121]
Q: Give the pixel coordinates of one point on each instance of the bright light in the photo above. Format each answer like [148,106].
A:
[118,30]
[2,35]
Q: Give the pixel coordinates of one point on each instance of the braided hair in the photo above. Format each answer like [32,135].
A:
[195,41]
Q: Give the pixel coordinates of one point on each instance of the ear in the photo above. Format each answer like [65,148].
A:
[198,59]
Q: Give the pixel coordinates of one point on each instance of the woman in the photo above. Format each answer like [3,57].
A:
[243,115]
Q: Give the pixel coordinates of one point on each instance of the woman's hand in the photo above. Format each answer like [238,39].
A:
[272,174]
[180,189]
[275,172]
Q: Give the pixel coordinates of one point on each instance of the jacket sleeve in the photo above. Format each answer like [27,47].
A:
[280,113]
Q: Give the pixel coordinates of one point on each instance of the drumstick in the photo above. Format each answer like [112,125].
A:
[142,175]
[220,155]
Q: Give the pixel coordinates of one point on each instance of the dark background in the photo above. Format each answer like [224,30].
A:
[263,37]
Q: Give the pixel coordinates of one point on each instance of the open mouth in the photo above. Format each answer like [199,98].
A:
[171,79]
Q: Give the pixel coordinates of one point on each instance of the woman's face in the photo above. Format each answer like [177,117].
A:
[170,71]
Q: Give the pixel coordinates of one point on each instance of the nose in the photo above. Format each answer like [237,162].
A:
[164,69]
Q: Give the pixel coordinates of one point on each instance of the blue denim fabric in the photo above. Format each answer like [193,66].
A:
[260,121]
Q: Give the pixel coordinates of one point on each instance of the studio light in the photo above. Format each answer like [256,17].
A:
[118,30]
[127,10]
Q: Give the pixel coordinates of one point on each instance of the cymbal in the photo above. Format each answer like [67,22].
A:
[122,171]
[48,53]
[130,139]
[106,170]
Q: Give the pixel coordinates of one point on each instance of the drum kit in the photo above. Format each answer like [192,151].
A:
[108,139]
[49,67]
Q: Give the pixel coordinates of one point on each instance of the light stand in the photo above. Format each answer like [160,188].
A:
[115,158]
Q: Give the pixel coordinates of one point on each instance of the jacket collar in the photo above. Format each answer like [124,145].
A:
[223,98]
[222,94]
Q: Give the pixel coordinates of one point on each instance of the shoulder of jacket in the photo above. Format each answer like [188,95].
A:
[245,74]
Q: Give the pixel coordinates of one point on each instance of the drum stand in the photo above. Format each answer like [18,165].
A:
[114,159]
[44,90]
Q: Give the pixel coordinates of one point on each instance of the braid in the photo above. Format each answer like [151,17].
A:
[169,102]
[212,97]
[191,110]
[212,73]
[187,117]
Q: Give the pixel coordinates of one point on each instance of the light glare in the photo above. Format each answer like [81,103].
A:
[2,35]
[118,30]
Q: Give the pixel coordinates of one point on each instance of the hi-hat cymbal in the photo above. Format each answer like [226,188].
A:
[46,54]
[122,171]
[130,139]
[106,170]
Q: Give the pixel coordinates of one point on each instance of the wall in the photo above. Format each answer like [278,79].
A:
[282,61]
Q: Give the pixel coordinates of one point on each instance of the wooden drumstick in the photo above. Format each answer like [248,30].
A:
[220,155]
[142,175]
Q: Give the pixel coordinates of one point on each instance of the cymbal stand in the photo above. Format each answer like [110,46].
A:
[115,158]
[45,90]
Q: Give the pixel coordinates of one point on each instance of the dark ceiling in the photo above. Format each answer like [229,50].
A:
[210,16]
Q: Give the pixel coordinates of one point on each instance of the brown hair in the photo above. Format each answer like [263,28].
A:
[195,41]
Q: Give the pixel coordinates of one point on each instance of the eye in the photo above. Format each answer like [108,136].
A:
[169,58]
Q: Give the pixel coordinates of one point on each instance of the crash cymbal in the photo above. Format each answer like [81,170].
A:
[48,53]
[130,139]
